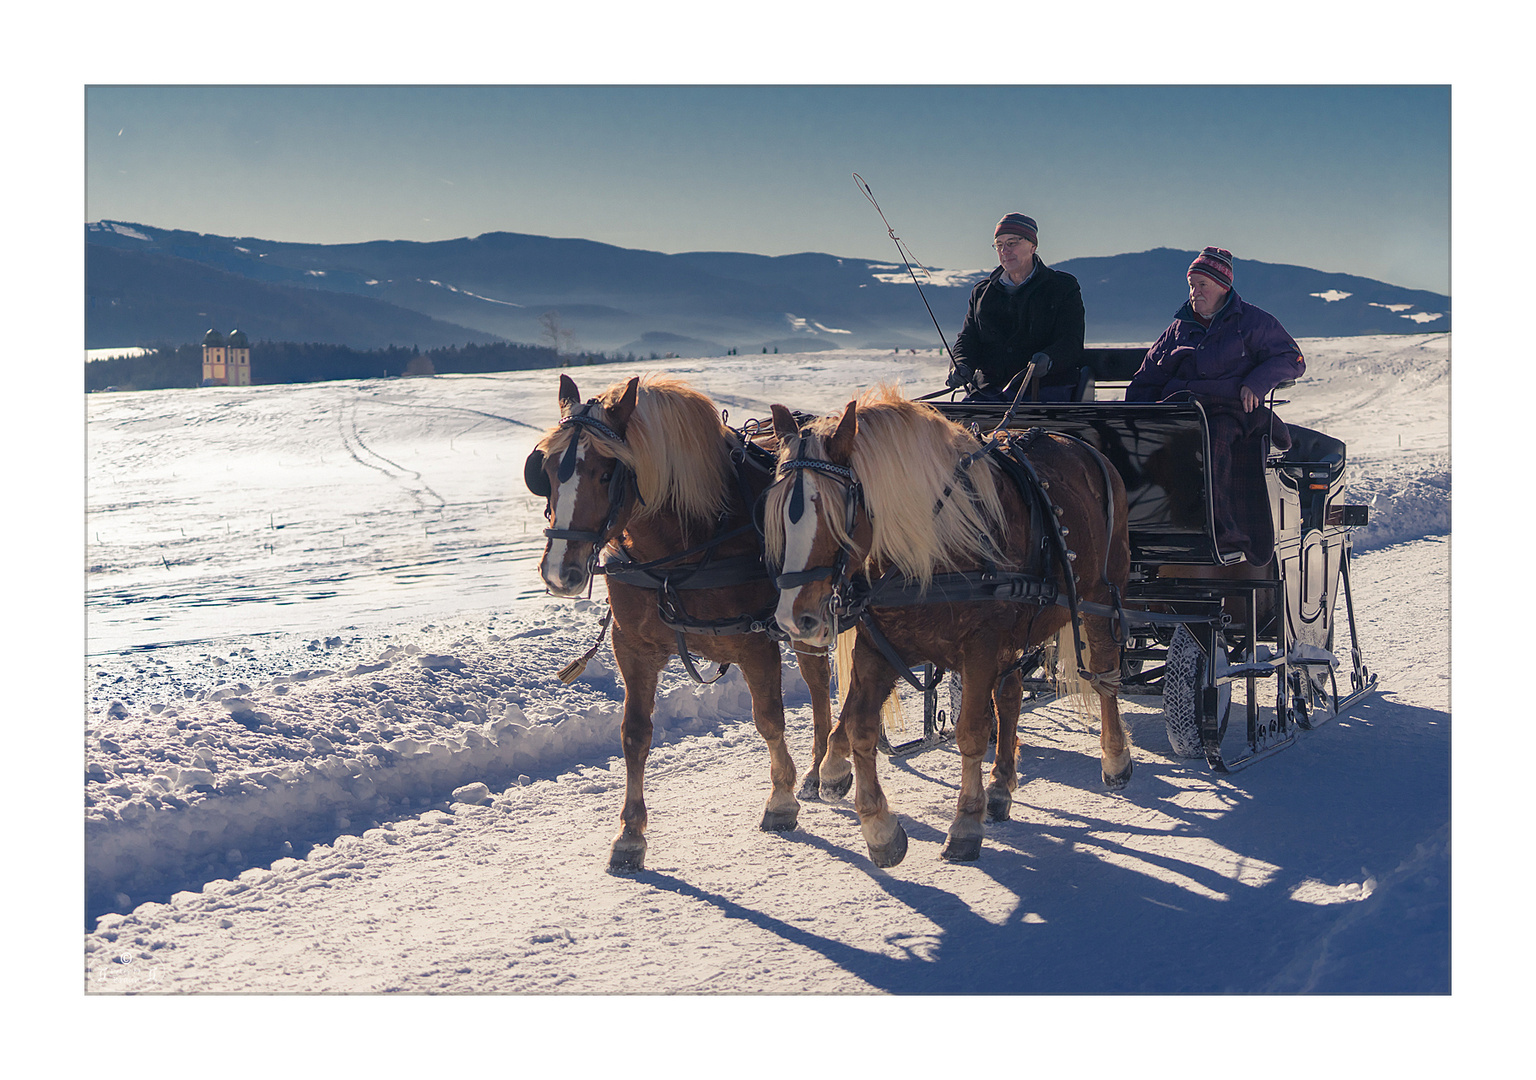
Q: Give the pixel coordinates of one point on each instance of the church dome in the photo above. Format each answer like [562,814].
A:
[237,340]
[213,337]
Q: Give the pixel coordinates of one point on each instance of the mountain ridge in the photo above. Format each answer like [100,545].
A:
[146,284]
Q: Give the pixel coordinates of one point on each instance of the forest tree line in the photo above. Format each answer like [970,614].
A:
[167,366]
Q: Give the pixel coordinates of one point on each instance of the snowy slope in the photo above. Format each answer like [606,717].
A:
[316,625]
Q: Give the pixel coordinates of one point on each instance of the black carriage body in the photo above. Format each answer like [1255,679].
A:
[1275,622]
[1161,451]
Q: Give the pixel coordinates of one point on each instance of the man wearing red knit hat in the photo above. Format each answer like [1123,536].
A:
[1218,346]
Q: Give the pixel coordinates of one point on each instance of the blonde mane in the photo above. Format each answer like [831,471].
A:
[905,455]
[676,444]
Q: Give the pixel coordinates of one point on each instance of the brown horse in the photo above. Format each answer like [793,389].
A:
[648,471]
[892,486]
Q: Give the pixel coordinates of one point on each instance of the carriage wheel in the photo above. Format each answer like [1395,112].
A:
[1184,683]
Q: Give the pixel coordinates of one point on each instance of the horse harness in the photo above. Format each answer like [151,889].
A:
[1037,585]
[668,575]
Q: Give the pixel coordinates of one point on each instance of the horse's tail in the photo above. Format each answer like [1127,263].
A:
[1074,691]
[842,665]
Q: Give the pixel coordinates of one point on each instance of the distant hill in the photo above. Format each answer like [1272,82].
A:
[148,284]
[145,296]
[1133,297]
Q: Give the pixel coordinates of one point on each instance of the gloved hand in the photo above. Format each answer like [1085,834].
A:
[1042,364]
[959,375]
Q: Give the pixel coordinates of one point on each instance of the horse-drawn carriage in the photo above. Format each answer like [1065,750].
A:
[716,547]
[1200,618]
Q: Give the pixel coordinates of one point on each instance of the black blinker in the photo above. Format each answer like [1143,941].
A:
[797,498]
[535,476]
[568,462]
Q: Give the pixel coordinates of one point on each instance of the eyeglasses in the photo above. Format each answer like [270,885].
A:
[1008,245]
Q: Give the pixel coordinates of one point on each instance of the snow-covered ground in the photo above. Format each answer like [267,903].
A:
[325,748]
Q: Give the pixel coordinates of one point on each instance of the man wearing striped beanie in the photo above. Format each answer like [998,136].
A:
[1023,312]
[1229,355]
[1218,346]
[1215,264]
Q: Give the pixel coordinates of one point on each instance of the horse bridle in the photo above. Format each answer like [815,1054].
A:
[853,498]
[620,487]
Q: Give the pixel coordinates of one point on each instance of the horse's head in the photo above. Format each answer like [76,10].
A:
[815,523]
[583,468]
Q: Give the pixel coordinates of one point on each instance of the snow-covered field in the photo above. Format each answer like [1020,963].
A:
[326,750]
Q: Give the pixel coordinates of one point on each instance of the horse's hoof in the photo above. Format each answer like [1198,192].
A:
[1115,783]
[779,820]
[627,858]
[889,854]
[999,805]
[810,788]
[837,788]
[961,849]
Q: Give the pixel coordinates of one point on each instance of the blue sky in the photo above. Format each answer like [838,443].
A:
[1353,179]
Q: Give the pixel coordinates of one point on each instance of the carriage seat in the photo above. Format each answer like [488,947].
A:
[1077,386]
[1056,387]
[1312,456]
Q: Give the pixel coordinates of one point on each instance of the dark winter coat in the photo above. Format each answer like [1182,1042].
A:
[1002,332]
[1240,493]
[1244,346]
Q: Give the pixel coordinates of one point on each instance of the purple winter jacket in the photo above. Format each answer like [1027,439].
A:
[1244,345]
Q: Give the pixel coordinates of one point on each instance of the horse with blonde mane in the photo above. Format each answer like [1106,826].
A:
[896,517]
[648,472]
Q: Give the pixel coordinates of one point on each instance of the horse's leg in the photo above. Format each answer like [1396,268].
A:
[817,673]
[1008,699]
[859,723]
[836,771]
[762,668]
[971,731]
[640,670]
[1114,739]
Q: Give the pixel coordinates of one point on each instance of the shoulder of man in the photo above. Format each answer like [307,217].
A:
[976,289]
[1251,315]
[1059,278]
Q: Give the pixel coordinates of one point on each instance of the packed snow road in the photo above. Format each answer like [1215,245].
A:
[1300,874]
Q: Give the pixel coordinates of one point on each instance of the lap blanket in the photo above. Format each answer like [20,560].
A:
[1240,495]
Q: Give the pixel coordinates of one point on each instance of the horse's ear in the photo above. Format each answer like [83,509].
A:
[570,397]
[840,446]
[784,425]
[621,410]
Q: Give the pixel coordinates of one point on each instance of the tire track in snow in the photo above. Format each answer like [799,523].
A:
[408,479]
[462,409]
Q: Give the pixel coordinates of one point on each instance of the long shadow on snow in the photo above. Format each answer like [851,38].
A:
[1107,907]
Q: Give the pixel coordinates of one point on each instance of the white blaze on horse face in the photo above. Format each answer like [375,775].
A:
[562,510]
[799,542]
